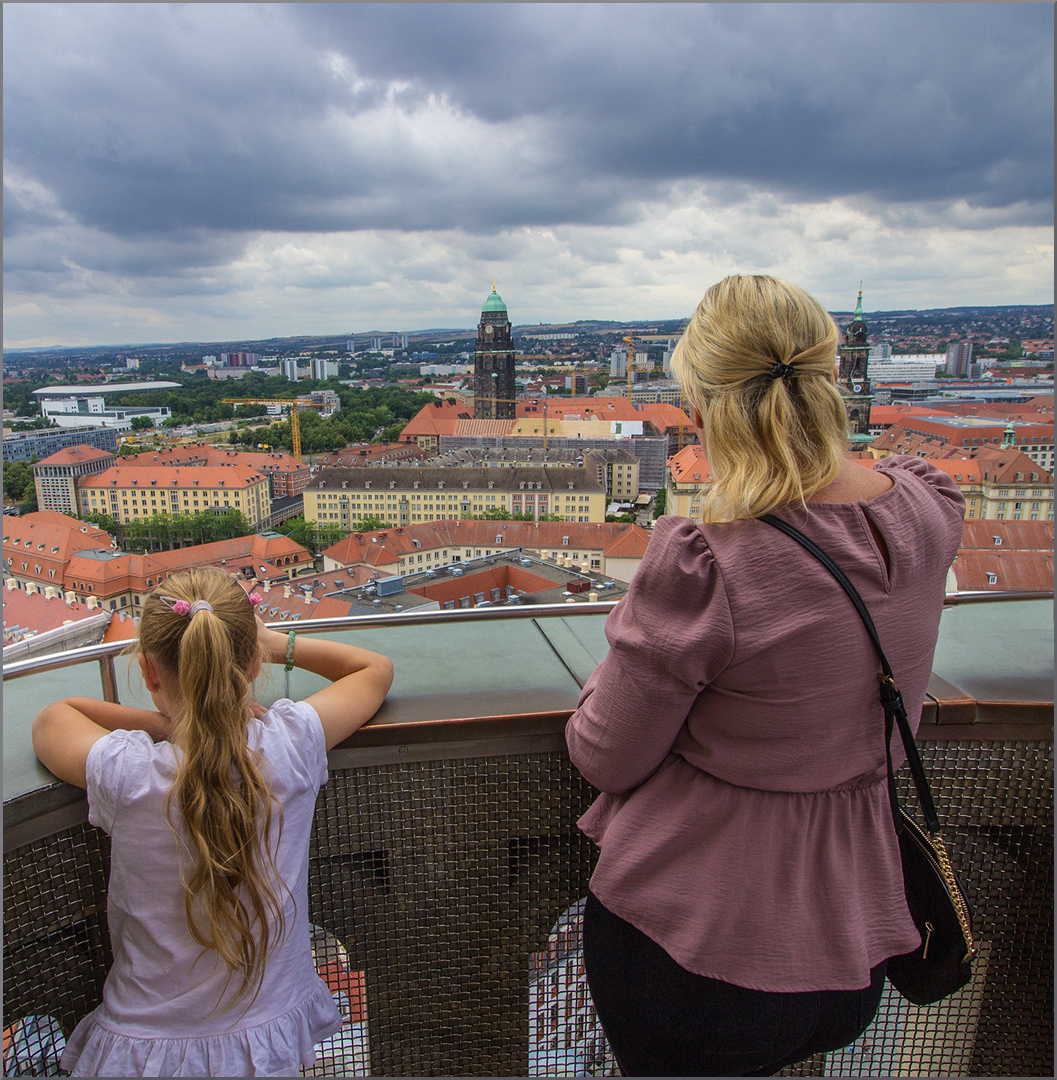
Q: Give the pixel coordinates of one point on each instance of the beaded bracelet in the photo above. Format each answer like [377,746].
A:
[290,651]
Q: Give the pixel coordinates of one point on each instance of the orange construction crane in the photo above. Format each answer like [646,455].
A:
[294,403]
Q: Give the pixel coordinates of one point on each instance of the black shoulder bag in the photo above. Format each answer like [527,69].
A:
[942,963]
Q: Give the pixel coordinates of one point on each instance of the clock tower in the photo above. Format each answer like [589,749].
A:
[493,363]
[852,378]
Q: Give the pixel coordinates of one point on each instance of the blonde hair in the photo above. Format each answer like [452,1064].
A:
[221,793]
[769,440]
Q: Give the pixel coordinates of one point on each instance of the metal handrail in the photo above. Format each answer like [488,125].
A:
[105,651]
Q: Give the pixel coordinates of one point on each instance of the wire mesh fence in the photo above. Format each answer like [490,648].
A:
[445,901]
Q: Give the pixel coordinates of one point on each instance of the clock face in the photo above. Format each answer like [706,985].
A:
[857,387]
[488,329]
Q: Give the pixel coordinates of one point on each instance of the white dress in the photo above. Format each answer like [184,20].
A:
[158,1015]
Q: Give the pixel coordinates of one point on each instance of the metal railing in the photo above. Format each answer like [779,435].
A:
[106,651]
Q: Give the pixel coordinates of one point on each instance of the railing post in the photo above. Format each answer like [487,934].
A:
[108,671]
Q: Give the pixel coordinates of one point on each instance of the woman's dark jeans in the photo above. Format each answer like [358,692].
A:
[662,1020]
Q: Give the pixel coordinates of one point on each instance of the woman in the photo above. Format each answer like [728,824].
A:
[749,889]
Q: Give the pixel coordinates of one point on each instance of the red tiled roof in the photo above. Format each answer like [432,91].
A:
[204,454]
[438,417]
[690,466]
[137,573]
[50,538]
[35,611]
[384,547]
[75,455]
[631,544]
[202,476]
[1013,571]
[1013,535]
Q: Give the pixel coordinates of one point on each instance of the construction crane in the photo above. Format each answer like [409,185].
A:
[294,403]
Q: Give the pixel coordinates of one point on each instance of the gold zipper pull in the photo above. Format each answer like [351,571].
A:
[928,934]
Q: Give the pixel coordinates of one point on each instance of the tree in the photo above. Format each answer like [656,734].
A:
[18,480]
[628,519]
[497,513]
[29,505]
[551,517]
[142,423]
[660,501]
[369,524]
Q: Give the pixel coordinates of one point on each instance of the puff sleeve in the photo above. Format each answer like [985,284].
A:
[668,639]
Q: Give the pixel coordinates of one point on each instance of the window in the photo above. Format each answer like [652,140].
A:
[992,579]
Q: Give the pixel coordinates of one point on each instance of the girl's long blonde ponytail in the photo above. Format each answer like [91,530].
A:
[221,795]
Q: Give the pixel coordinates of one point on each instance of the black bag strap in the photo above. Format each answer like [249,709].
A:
[891,699]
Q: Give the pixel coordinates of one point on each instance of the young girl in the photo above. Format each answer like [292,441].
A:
[209,804]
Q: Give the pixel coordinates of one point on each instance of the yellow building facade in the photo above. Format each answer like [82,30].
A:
[135,493]
[406,496]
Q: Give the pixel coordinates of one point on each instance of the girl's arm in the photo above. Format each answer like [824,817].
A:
[359,679]
[63,733]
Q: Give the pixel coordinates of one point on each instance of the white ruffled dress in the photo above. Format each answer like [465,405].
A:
[158,1016]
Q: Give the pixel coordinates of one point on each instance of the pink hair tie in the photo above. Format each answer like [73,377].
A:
[181,607]
[255,598]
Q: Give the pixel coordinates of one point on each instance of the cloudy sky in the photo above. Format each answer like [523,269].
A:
[215,172]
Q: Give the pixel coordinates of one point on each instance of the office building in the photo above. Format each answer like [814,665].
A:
[290,369]
[960,359]
[55,478]
[23,447]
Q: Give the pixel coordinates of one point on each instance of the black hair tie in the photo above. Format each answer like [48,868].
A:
[782,371]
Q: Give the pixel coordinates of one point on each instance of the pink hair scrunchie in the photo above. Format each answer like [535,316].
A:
[255,598]
[181,607]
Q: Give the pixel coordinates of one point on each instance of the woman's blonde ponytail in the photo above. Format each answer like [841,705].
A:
[756,362]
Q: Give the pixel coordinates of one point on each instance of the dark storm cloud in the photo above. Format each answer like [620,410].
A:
[143,121]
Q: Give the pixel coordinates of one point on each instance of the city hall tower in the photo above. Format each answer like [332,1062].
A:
[493,363]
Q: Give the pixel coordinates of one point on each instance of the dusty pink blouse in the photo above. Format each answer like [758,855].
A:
[735,731]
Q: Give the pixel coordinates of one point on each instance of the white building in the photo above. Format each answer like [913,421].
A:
[80,406]
[290,370]
[911,368]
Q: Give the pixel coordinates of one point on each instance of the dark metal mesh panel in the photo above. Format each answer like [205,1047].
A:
[452,886]
[56,943]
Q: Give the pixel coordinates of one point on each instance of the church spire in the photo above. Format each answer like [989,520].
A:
[858,305]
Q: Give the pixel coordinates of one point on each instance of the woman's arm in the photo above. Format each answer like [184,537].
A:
[359,679]
[668,638]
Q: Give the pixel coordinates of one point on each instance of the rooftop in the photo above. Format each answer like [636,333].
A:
[103,389]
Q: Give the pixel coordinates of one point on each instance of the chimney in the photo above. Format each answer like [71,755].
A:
[286,592]
[92,602]
[71,598]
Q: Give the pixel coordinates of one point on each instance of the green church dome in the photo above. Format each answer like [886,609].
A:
[494,301]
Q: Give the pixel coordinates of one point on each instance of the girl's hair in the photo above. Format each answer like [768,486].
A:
[770,439]
[220,792]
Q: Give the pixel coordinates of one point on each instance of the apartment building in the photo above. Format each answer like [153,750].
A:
[23,447]
[286,475]
[120,581]
[136,492]
[1000,485]
[56,477]
[404,496]
[689,478]
[613,549]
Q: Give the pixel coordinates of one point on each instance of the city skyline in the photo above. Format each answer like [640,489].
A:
[220,172]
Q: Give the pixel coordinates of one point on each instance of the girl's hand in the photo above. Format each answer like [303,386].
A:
[273,644]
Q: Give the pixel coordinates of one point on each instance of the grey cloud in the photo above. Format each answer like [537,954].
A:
[149,119]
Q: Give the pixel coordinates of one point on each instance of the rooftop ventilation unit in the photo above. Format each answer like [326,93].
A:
[389,586]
